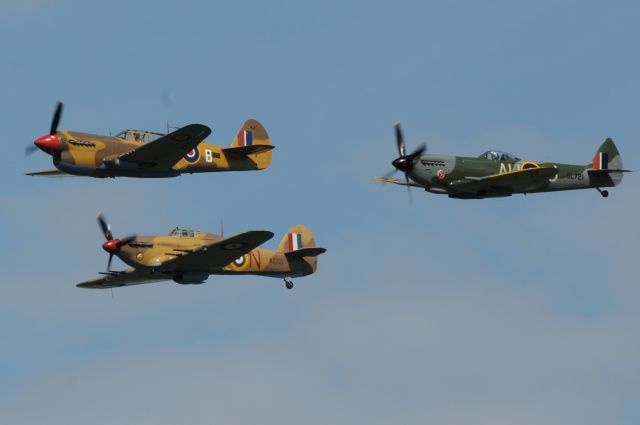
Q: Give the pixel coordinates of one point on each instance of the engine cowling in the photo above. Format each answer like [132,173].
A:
[190,278]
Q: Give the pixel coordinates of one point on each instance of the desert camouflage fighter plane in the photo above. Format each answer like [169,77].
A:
[190,256]
[496,173]
[136,153]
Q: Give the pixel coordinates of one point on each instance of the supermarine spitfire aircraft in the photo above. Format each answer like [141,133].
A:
[496,173]
[135,153]
[190,256]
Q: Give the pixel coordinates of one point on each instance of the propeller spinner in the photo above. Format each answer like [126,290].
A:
[49,143]
[404,162]
[112,246]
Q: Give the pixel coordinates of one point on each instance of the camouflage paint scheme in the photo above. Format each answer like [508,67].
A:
[133,153]
[497,174]
[189,257]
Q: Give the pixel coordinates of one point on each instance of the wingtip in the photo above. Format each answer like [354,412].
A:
[385,180]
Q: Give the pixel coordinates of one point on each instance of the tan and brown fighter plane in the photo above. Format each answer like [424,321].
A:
[190,256]
[136,153]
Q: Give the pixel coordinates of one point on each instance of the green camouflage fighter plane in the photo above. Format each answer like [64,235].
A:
[190,256]
[136,153]
[495,173]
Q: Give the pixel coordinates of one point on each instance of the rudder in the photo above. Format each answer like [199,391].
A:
[607,157]
[253,133]
[297,237]
[299,240]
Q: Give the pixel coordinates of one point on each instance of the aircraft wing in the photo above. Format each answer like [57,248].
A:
[167,150]
[49,173]
[514,181]
[398,182]
[221,253]
[128,277]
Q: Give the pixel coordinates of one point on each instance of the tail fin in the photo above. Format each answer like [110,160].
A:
[299,242]
[608,159]
[252,141]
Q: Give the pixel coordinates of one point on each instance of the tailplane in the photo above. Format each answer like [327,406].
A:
[608,162]
[252,142]
[299,242]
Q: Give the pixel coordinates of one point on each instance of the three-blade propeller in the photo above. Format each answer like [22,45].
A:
[51,141]
[112,246]
[404,162]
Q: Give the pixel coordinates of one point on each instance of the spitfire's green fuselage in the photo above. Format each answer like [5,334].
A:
[496,174]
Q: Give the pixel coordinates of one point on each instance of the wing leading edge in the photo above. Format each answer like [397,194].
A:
[128,277]
[219,254]
[514,181]
[167,150]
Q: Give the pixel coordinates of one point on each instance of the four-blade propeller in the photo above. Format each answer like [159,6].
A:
[112,246]
[404,162]
[50,142]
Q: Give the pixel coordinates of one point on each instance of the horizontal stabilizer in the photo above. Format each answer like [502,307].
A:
[306,252]
[49,173]
[241,151]
[607,171]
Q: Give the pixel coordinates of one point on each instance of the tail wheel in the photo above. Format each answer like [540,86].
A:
[288,283]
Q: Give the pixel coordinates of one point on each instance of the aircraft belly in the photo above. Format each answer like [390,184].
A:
[113,171]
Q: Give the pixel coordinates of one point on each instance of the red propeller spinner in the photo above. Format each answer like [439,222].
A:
[49,143]
[112,246]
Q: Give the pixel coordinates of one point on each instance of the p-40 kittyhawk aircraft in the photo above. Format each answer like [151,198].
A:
[189,256]
[496,173]
[135,153]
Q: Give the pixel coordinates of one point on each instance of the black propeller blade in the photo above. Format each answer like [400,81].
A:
[127,240]
[56,118]
[30,149]
[399,139]
[109,263]
[405,162]
[104,226]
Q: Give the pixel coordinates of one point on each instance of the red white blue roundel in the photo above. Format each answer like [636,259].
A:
[239,264]
[193,156]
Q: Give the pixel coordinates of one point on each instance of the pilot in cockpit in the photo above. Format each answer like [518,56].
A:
[499,156]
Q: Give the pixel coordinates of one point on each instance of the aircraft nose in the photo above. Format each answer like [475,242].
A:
[48,143]
[112,246]
[402,164]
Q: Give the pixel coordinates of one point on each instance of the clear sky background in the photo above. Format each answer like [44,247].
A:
[517,310]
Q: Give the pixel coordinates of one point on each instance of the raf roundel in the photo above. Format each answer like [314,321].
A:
[193,156]
[441,174]
[239,263]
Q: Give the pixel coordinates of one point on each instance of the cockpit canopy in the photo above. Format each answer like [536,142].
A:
[184,233]
[138,135]
[499,156]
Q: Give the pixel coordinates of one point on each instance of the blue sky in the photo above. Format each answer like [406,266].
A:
[499,311]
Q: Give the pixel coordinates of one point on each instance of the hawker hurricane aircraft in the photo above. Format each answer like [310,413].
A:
[190,256]
[496,173]
[136,153]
